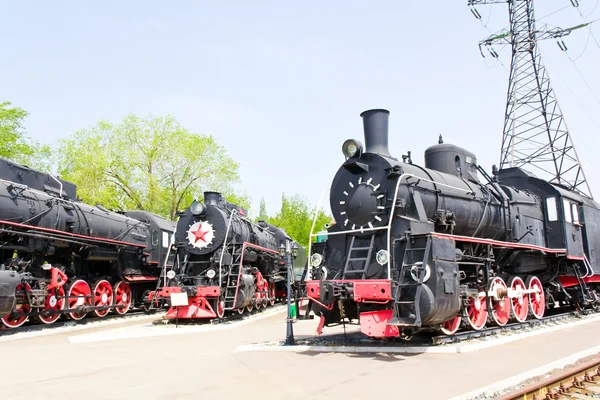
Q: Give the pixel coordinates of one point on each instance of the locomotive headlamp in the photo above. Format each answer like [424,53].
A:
[197,208]
[211,273]
[316,260]
[171,274]
[351,148]
[294,250]
[382,257]
[282,250]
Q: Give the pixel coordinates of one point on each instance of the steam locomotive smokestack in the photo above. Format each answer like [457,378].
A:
[375,123]
[212,198]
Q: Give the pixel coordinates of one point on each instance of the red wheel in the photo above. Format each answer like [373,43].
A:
[499,302]
[21,307]
[80,294]
[241,310]
[537,299]
[477,312]
[272,293]
[122,294]
[258,297]
[103,296]
[55,300]
[220,307]
[249,307]
[451,326]
[519,305]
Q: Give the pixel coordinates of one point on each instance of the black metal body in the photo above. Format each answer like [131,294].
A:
[447,197]
[37,225]
[214,242]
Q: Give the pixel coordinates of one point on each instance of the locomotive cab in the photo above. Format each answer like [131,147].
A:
[562,210]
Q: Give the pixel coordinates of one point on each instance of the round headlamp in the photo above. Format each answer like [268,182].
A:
[211,273]
[351,148]
[197,208]
[316,260]
[171,274]
[382,257]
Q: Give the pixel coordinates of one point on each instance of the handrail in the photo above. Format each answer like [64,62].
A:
[233,212]
[389,225]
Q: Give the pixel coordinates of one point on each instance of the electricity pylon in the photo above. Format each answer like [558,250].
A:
[535,134]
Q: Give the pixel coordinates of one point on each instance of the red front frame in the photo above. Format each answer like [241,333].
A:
[365,291]
[199,306]
[376,291]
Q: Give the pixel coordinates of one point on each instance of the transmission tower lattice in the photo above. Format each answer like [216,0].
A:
[535,133]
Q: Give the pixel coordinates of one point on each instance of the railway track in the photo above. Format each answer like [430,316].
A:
[579,382]
[131,316]
[498,330]
[96,321]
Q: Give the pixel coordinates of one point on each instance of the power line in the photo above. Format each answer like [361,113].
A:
[588,24]
[583,107]
[583,78]
[594,9]
[554,12]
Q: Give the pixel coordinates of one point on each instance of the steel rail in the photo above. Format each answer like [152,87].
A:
[579,382]
[530,323]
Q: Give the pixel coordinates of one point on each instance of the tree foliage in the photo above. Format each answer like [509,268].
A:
[262,214]
[296,217]
[151,163]
[15,144]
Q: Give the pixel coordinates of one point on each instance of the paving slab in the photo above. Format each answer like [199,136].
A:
[198,364]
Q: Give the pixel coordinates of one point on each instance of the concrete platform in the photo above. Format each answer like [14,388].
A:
[198,364]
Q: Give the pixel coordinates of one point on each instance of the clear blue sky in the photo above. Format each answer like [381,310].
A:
[281,84]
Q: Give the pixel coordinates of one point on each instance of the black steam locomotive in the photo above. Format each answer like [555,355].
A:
[225,262]
[60,256]
[435,247]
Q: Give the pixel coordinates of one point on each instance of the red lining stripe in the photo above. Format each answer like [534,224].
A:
[2,222]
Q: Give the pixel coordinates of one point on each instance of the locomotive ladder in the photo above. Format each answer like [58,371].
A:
[231,289]
[366,260]
[410,285]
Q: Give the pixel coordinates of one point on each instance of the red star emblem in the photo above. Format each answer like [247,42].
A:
[200,234]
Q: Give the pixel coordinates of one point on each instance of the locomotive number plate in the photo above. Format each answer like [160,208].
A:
[179,299]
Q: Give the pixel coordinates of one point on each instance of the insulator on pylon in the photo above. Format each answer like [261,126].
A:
[562,45]
[475,13]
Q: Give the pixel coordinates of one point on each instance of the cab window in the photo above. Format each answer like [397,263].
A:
[567,207]
[551,208]
[165,239]
[155,238]
[575,211]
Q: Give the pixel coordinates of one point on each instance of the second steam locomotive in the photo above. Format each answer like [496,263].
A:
[62,257]
[446,245]
[225,262]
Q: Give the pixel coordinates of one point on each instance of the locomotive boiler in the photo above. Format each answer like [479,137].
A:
[226,262]
[64,257]
[446,245]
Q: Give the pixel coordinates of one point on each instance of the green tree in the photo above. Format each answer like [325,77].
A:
[262,214]
[15,144]
[151,163]
[296,217]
